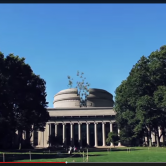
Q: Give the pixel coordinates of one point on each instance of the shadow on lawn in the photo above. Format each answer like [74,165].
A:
[45,150]
[125,149]
[13,157]
[47,153]
[112,149]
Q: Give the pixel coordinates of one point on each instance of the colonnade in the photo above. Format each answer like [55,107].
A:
[79,132]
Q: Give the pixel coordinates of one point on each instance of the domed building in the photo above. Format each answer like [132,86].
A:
[99,98]
[67,99]
[79,126]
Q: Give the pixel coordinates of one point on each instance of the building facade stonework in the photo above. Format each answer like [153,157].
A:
[79,126]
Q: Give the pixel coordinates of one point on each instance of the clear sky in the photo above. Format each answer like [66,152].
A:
[102,40]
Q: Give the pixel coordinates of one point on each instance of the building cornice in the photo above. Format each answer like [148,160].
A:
[100,111]
[81,108]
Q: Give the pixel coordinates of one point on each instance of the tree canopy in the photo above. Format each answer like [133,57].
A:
[140,99]
[23,105]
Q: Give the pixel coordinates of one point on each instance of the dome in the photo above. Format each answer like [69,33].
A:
[67,98]
[99,98]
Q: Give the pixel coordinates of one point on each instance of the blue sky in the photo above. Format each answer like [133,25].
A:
[102,40]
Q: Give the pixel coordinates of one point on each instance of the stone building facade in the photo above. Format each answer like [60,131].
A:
[79,126]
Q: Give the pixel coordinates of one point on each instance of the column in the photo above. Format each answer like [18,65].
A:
[111,130]
[119,144]
[111,127]
[146,140]
[56,129]
[24,135]
[43,139]
[95,130]
[64,133]
[71,134]
[79,134]
[103,131]
[87,133]
[46,136]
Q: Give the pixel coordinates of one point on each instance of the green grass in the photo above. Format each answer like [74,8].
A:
[135,155]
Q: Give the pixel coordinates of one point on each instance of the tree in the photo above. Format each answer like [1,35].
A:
[6,116]
[125,114]
[138,99]
[25,106]
[112,138]
[83,88]
[160,101]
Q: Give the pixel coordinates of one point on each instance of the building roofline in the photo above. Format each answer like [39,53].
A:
[78,108]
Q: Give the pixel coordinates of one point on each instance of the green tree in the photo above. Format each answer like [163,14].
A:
[112,138]
[137,100]
[125,113]
[6,116]
[25,106]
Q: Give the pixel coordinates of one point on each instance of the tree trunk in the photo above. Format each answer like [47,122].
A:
[149,136]
[146,137]
[19,145]
[11,140]
[157,137]
[163,132]
[157,141]
[28,137]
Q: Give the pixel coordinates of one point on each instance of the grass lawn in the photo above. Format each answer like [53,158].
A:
[153,154]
